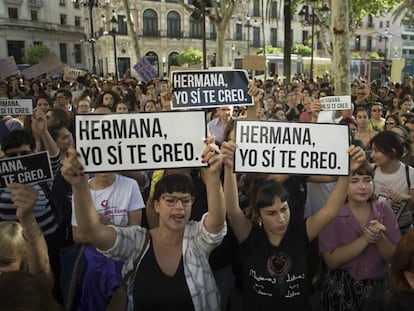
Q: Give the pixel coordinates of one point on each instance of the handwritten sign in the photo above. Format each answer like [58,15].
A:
[291,148]
[336,102]
[145,70]
[70,74]
[8,67]
[25,169]
[16,106]
[209,88]
[140,141]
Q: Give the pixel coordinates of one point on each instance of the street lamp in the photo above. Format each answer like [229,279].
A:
[113,32]
[90,4]
[233,49]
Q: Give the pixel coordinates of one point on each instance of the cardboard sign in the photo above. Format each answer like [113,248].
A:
[209,88]
[16,106]
[8,67]
[34,71]
[52,63]
[336,102]
[145,70]
[71,75]
[291,148]
[254,62]
[140,141]
[25,169]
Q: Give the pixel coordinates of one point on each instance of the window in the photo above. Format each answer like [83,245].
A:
[122,25]
[358,43]
[62,2]
[33,15]
[195,28]
[239,32]
[16,49]
[13,13]
[273,37]
[63,19]
[256,7]
[370,22]
[63,52]
[78,55]
[76,4]
[305,37]
[381,24]
[173,25]
[387,23]
[369,43]
[150,23]
[213,32]
[273,9]
[256,36]
[77,21]
[37,43]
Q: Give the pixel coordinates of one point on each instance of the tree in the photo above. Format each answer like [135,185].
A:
[131,28]
[33,54]
[190,57]
[301,49]
[404,12]
[220,14]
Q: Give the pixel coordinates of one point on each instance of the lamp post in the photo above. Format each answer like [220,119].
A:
[90,4]
[313,5]
[233,49]
[113,33]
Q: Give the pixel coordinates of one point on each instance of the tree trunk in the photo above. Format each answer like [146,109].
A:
[287,13]
[131,29]
[341,52]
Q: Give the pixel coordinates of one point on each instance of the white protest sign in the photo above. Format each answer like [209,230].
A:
[209,88]
[140,141]
[16,106]
[291,148]
[336,102]
[70,74]
[8,67]
[25,169]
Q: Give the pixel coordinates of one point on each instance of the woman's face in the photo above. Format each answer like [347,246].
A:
[378,157]
[174,209]
[362,118]
[122,108]
[108,100]
[149,106]
[35,87]
[275,218]
[10,262]
[390,123]
[405,107]
[360,188]
[43,104]
[64,139]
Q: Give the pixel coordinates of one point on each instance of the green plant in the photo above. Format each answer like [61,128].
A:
[190,57]
[301,49]
[33,54]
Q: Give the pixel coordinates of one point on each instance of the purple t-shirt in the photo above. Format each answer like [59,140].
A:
[344,229]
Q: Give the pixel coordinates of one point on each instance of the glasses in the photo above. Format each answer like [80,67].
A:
[171,200]
[15,154]
[389,123]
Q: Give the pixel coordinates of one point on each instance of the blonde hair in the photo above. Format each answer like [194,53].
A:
[12,241]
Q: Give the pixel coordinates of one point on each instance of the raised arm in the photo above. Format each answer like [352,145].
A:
[24,198]
[239,223]
[317,222]
[216,216]
[92,230]
[39,127]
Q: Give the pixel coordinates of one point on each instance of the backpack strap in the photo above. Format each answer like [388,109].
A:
[407,176]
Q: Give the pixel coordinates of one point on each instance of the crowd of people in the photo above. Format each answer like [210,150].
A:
[210,238]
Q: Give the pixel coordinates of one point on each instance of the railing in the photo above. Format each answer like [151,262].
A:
[40,25]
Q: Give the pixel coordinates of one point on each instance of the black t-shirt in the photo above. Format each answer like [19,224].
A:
[276,277]
[155,291]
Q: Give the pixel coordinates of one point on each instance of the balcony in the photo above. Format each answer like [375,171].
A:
[35,3]
[36,25]
[13,1]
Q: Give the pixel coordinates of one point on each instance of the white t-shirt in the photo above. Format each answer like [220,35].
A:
[387,184]
[115,201]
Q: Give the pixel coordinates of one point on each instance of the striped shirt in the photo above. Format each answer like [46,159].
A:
[42,210]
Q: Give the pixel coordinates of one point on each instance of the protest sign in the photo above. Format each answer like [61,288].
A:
[336,102]
[291,148]
[70,74]
[140,141]
[34,71]
[8,67]
[52,63]
[145,70]
[25,169]
[16,106]
[209,88]
[254,62]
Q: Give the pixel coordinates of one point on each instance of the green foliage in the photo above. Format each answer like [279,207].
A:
[35,53]
[358,9]
[301,49]
[269,50]
[355,55]
[375,55]
[190,57]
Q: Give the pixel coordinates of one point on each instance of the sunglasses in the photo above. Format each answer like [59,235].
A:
[389,123]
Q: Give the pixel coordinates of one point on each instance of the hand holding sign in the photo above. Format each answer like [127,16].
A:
[23,198]
[357,157]
[227,149]
[39,122]
[72,169]
[211,155]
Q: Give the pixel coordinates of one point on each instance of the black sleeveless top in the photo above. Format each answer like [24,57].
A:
[154,290]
